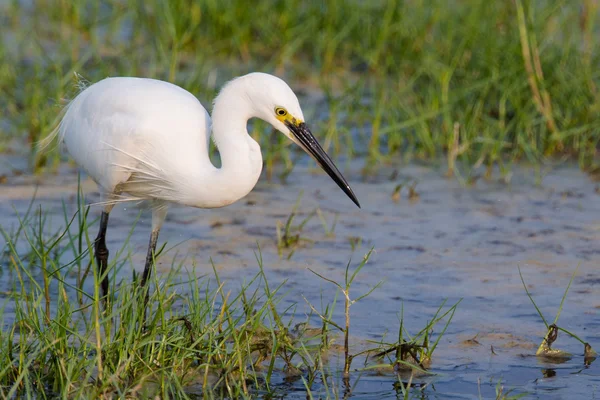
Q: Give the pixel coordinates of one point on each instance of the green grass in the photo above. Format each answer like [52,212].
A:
[201,337]
[476,84]
[481,84]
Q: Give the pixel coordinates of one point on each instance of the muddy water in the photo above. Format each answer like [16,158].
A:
[450,243]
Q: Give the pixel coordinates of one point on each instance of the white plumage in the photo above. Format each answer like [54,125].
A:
[145,139]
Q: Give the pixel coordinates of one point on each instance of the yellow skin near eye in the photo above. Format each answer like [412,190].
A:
[282,115]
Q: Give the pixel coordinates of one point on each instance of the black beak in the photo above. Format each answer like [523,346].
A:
[309,144]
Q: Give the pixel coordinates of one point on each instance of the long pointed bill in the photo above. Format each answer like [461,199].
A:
[309,143]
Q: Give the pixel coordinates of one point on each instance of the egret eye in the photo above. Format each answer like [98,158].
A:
[281,112]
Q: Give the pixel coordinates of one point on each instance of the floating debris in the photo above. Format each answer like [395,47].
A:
[589,354]
[546,350]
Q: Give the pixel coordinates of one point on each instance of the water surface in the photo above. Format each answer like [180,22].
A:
[449,243]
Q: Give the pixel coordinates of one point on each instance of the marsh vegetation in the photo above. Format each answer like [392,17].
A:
[465,127]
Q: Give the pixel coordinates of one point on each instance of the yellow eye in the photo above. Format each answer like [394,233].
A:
[280,111]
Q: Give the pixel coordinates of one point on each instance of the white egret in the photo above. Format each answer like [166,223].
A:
[145,139]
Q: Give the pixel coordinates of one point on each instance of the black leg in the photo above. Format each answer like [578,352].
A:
[148,266]
[150,256]
[101,253]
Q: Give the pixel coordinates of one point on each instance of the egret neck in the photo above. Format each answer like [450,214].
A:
[241,158]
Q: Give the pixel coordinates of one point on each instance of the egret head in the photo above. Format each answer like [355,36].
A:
[275,102]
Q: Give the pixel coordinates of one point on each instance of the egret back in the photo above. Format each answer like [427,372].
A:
[136,135]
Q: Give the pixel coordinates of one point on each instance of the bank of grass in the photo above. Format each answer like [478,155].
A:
[480,83]
[198,337]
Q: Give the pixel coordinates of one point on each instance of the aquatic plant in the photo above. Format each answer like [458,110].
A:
[545,348]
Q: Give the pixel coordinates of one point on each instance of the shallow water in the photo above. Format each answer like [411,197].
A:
[450,243]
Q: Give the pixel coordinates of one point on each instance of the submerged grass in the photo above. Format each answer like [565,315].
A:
[484,84]
[290,237]
[545,349]
[199,339]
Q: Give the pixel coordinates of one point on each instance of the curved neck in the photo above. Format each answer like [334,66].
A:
[241,158]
